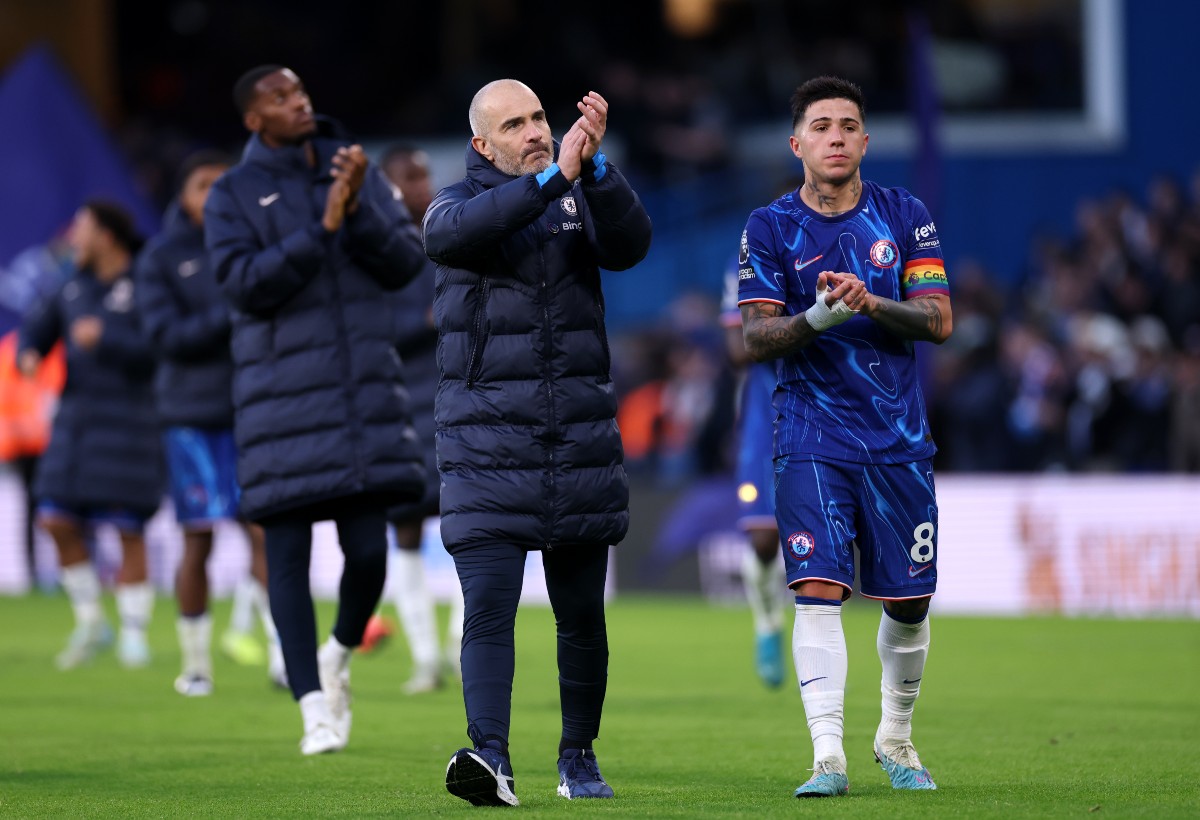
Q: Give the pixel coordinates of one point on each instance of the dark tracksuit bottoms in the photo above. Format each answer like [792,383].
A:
[491,576]
[362,534]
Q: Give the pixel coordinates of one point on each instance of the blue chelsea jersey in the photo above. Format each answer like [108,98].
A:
[853,394]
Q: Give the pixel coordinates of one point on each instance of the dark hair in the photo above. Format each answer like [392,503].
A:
[197,160]
[115,219]
[243,89]
[826,88]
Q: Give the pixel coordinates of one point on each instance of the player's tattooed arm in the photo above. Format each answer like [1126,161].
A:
[770,335]
[925,318]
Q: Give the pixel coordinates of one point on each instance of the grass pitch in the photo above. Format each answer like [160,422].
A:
[1041,717]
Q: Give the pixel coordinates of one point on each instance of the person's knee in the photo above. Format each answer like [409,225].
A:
[197,545]
[765,543]
[367,558]
[909,611]
[820,589]
[59,528]
[408,534]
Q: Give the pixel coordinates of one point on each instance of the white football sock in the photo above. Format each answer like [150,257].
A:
[195,640]
[82,585]
[263,605]
[764,591]
[414,604]
[241,616]
[135,603]
[902,652]
[819,651]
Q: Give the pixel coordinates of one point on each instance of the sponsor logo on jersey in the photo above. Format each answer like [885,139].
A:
[567,203]
[801,545]
[572,226]
[925,232]
[884,254]
[744,251]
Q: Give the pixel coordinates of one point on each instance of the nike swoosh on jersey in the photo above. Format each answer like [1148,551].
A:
[802,265]
[913,572]
[267,200]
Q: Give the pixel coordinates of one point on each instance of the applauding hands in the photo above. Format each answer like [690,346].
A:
[349,170]
[582,140]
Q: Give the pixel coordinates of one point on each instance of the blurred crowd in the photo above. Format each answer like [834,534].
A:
[1089,361]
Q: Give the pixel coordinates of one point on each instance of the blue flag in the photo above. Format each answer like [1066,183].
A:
[54,155]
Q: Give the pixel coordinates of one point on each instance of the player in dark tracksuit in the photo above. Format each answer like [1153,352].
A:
[306,239]
[186,321]
[104,461]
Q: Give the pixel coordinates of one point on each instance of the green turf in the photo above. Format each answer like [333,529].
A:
[1039,717]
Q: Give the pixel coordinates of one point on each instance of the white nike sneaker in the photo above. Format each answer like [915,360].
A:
[320,731]
[335,683]
[194,685]
[133,651]
[85,642]
[321,739]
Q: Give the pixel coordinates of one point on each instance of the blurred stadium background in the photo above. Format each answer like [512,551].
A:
[1053,141]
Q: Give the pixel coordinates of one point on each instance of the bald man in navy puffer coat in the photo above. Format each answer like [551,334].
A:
[528,448]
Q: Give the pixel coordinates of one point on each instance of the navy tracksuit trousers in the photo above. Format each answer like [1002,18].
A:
[362,534]
[491,576]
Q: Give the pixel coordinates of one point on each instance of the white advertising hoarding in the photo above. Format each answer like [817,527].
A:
[1077,545]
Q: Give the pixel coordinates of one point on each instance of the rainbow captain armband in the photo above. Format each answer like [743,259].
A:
[924,277]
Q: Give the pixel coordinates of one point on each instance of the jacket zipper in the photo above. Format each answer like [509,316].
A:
[475,359]
[548,335]
[602,331]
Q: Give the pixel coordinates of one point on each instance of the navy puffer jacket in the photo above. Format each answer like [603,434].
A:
[186,320]
[105,446]
[527,442]
[320,408]
[416,342]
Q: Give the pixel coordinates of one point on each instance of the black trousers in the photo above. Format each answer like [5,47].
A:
[362,534]
[491,576]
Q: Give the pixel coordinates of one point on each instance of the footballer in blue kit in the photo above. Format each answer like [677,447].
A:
[836,280]
[762,567]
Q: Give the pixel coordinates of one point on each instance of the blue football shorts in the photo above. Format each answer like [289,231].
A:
[124,519]
[824,507]
[203,468]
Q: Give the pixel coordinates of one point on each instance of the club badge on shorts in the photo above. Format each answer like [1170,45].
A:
[801,545]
